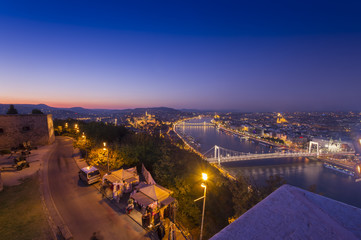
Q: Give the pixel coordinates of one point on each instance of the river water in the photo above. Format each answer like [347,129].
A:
[300,172]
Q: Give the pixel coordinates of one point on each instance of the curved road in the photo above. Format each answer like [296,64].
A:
[81,206]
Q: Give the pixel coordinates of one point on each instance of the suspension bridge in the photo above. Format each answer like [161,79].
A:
[220,155]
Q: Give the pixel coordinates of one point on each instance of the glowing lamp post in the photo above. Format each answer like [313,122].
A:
[76,127]
[105,149]
[204,176]
[203,185]
[84,139]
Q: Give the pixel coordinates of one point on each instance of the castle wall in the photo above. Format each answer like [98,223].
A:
[16,129]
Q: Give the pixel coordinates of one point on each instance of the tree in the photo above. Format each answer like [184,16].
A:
[36,111]
[272,183]
[12,110]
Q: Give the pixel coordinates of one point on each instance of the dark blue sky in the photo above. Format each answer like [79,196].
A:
[248,56]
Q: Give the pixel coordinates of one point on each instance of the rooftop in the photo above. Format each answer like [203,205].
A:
[89,169]
[293,213]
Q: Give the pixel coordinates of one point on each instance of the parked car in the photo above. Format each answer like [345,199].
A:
[89,175]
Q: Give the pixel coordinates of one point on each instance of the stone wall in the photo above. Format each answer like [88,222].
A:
[16,129]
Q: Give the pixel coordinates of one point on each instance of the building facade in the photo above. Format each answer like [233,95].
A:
[16,129]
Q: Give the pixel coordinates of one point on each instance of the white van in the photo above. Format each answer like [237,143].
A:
[89,175]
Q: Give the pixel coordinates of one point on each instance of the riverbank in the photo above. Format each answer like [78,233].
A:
[222,170]
[252,137]
[185,142]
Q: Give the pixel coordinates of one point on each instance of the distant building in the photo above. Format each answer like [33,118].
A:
[281,119]
[143,120]
[16,129]
[331,145]
[293,213]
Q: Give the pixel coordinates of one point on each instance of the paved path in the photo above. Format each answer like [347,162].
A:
[81,207]
[13,177]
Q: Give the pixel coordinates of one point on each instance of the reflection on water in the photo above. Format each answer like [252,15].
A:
[300,172]
[207,137]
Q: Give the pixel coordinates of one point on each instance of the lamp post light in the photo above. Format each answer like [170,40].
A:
[84,142]
[204,207]
[204,177]
[105,149]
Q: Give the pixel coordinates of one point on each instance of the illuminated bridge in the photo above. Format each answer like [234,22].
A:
[220,155]
[189,124]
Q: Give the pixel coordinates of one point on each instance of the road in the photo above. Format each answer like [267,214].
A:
[82,207]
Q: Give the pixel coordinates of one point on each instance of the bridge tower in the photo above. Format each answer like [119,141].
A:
[217,154]
[310,147]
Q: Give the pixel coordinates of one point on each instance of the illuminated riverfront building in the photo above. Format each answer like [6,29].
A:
[142,121]
[281,119]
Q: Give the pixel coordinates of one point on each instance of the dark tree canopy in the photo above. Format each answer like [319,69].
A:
[12,110]
[36,111]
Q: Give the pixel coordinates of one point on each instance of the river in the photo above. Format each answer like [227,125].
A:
[300,172]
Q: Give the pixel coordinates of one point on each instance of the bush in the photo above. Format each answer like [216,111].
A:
[36,111]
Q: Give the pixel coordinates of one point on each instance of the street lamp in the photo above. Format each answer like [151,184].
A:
[204,176]
[84,142]
[105,149]
[203,185]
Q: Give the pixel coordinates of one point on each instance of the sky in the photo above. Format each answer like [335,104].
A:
[215,55]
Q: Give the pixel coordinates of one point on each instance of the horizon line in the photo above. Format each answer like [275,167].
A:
[184,108]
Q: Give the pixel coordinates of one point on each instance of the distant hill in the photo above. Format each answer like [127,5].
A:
[76,112]
[25,108]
